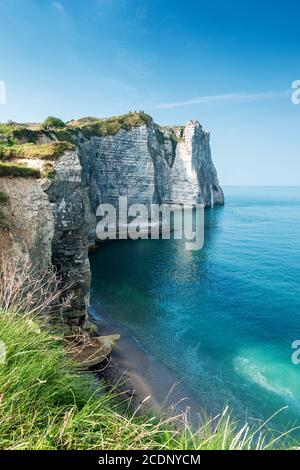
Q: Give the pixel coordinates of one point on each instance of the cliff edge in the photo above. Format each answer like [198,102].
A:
[54,176]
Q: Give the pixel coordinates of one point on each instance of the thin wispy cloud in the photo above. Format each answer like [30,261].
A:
[236,97]
[58,6]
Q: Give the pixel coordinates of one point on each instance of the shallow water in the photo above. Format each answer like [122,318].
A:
[223,318]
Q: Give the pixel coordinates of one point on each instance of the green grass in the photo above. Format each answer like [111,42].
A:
[49,151]
[64,135]
[6,130]
[17,135]
[25,135]
[47,404]
[90,127]
[21,141]
[7,133]
[15,169]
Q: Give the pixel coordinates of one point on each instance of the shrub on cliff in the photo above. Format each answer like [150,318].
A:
[48,170]
[14,133]
[23,134]
[53,123]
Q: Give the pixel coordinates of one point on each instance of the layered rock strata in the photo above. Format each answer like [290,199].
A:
[52,221]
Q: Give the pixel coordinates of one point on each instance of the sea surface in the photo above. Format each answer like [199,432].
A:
[222,319]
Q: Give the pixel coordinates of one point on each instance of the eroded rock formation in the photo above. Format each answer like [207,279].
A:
[150,164]
[52,220]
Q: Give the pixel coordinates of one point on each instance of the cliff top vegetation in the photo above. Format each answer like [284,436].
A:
[53,128]
[90,127]
[16,169]
[51,138]
[31,141]
[52,122]
[49,151]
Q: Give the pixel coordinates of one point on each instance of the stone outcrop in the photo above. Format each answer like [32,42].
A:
[89,351]
[193,175]
[52,221]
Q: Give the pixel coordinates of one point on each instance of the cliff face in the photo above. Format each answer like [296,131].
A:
[193,176]
[70,241]
[148,165]
[30,220]
[53,220]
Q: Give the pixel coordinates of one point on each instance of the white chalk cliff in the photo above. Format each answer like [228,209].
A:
[51,221]
[151,164]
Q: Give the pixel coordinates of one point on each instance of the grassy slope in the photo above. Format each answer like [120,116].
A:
[18,141]
[15,169]
[50,151]
[23,140]
[46,404]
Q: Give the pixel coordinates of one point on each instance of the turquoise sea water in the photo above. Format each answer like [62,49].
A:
[223,318]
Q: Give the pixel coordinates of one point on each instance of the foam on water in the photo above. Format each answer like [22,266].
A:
[284,384]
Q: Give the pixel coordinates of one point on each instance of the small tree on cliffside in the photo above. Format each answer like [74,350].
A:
[53,123]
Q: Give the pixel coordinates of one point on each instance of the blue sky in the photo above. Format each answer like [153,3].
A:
[229,64]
